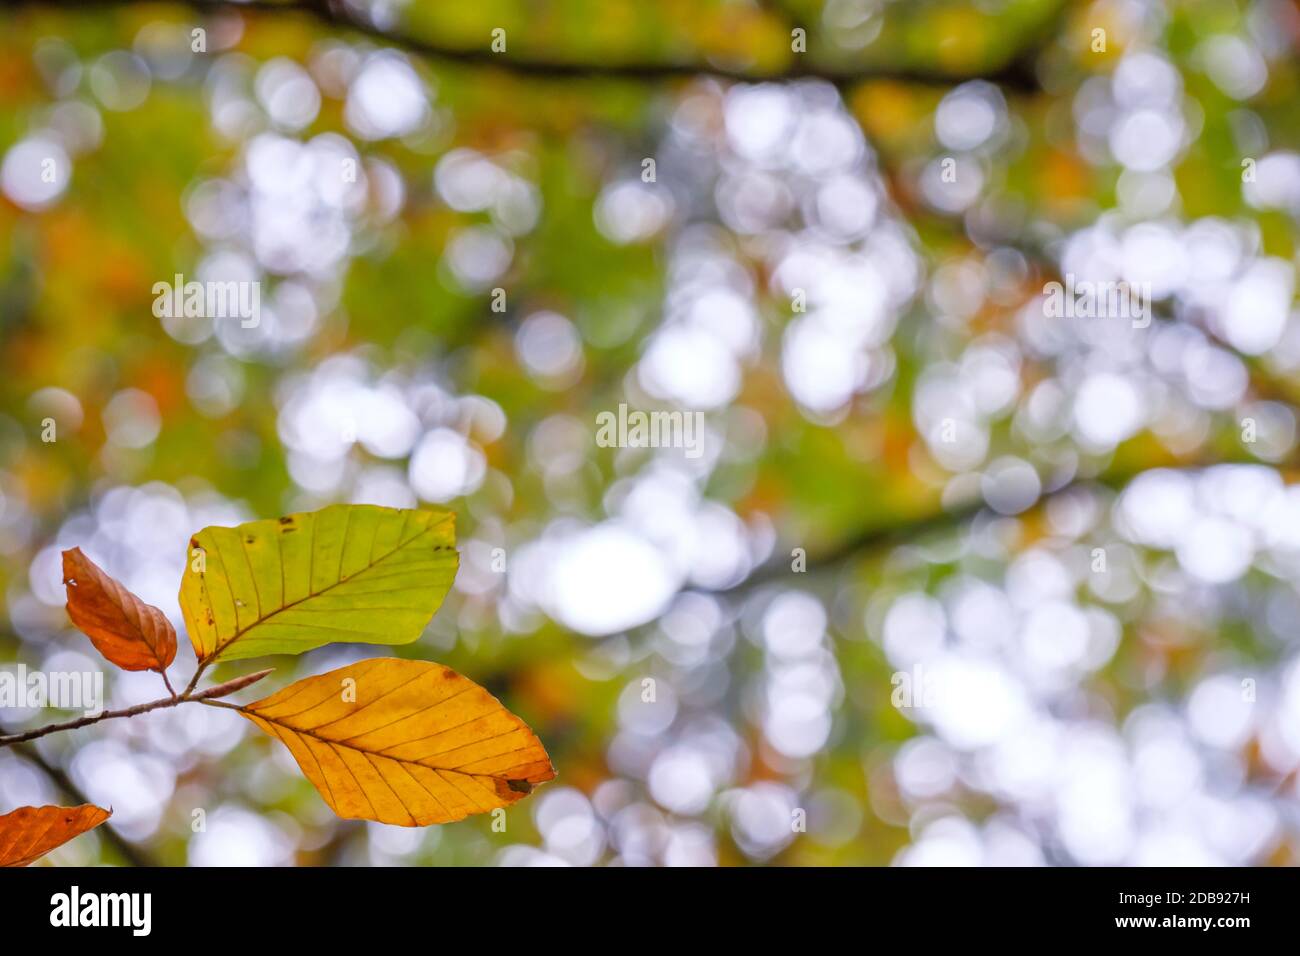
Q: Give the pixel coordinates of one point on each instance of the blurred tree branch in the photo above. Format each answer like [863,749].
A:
[1265,384]
[1015,73]
[885,537]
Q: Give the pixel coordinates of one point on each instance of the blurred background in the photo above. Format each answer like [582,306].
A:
[956,580]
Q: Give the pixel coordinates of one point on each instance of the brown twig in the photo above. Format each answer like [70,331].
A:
[221,690]
[194,681]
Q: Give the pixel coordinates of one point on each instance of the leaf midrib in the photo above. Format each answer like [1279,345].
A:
[380,754]
[311,732]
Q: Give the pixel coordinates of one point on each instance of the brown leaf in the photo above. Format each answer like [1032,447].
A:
[29,833]
[133,635]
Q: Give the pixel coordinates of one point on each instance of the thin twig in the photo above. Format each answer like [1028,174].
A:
[87,721]
[194,681]
[221,703]
[221,690]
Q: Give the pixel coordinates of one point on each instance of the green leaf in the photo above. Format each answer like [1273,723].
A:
[355,573]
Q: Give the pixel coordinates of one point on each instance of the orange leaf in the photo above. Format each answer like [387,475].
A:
[133,635]
[404,742]
[29,833]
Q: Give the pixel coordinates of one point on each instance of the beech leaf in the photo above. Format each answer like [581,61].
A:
[353,573]
[133,635]
[28,833]
[404,742]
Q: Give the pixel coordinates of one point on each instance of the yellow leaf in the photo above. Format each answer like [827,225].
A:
[28,833]
[133,635]
[404,742]
[345,573]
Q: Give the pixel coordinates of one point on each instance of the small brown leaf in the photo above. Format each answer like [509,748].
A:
[133,635]
[29,833]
